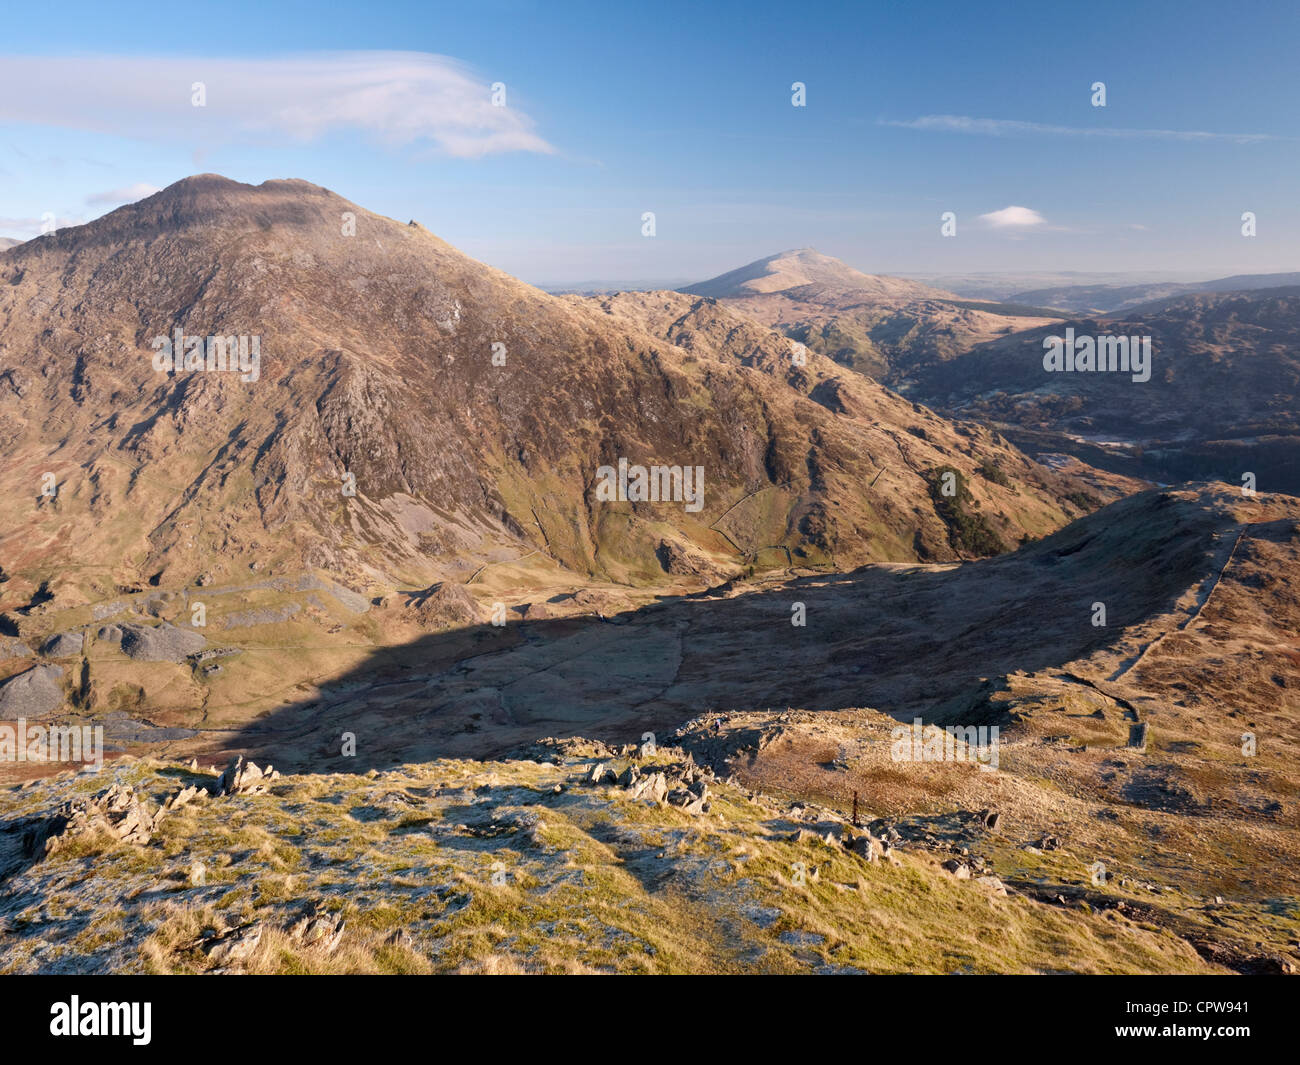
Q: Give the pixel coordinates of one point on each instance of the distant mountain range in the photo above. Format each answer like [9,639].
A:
[1223,398]
[1222,401]
[1103,299]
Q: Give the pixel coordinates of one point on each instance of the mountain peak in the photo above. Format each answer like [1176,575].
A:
[208,202]
[806,271]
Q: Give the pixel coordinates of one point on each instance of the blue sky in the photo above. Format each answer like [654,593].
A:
[685,110]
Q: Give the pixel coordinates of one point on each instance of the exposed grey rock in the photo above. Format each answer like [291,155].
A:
[185,795]
[236,945]
[865,847]
[33,694]
[958,869]
[63,645]
[161,643]
[261,616]
[244,778]
[654,786]
[117,811]
[349,599]
[322,931]
[796,938]
[10,648]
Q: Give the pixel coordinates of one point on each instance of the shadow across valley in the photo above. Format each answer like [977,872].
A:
[906,640]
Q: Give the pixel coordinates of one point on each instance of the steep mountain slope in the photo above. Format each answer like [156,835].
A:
[1223,398]
[883,327]
[470,412]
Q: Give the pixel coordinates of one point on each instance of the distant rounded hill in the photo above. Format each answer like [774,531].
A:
[810,274]
[883,327]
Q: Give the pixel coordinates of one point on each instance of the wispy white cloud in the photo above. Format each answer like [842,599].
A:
[1013,218]
[128,194]
[1004,127]
[400,98]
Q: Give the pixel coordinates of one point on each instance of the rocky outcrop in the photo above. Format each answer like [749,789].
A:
[119,812]
[159,643]
[35,693]
[63,645]
[322,932]
[244,778]
[449,605]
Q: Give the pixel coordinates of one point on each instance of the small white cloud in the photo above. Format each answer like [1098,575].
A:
[1013,218]
[129,194]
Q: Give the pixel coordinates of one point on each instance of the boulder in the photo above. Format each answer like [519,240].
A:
[864,846]
[322,932]
[233,946]
[958,869]
[185,795]
[654,786]
[244,778]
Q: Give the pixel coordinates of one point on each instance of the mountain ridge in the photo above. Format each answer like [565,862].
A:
[377,357]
